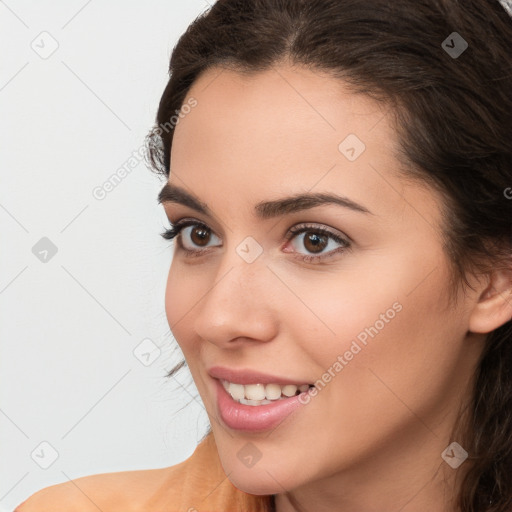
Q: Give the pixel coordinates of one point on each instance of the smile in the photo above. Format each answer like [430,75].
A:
[261,394]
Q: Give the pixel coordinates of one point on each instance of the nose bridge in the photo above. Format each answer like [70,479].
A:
[243,269]
[237,303]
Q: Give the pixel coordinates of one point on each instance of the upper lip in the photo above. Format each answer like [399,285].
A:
[248,376]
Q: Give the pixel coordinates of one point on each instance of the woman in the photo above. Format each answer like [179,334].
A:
[339,184]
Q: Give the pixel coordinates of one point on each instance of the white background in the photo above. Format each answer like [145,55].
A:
[69,325]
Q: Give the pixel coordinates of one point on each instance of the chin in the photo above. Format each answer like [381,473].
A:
[258,484]
[264,478]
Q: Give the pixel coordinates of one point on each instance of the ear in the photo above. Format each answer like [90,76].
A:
[494,305]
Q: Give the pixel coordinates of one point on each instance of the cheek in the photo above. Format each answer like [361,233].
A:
[392,322]
[389,368]
[347,311]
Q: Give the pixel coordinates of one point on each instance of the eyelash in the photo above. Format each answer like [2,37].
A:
[175,230]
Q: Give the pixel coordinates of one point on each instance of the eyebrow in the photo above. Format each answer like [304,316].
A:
[265,209]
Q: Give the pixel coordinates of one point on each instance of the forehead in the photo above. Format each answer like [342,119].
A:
[288,103]
[284,130]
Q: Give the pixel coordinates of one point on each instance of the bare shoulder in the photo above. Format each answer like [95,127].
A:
[126,491]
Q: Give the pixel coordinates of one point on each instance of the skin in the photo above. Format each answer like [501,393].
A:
[372,438]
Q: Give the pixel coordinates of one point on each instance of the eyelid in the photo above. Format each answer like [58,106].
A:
[337,236]
[184,220]
[184,217]
[177,227]
[344,241]
[190,221]
[318,227]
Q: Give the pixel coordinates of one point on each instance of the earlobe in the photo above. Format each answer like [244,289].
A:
[494,306]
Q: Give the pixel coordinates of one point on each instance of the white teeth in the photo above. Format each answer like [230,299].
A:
[272,391]
[255,391]
[260,394]
[237,391]
[289,390]
[254,402]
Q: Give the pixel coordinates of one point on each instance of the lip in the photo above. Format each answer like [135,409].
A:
[254,418]
[247,376]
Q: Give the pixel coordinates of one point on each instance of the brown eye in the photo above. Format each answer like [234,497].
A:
[199,235]
[314,242]
[194,235]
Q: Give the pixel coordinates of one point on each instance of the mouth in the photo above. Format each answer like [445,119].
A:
[240,413]
[262,394]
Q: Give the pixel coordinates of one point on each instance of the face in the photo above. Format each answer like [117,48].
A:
[360,308]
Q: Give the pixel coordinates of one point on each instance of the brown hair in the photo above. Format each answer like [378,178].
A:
[453,117]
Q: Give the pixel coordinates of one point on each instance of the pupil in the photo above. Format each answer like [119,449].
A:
[202,235]
[318,242]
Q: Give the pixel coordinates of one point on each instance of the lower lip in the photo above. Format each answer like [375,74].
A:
[254,418]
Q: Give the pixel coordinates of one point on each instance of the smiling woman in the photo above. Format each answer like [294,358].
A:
[341,282]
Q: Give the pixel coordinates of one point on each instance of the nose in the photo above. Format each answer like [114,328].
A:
[239,304]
